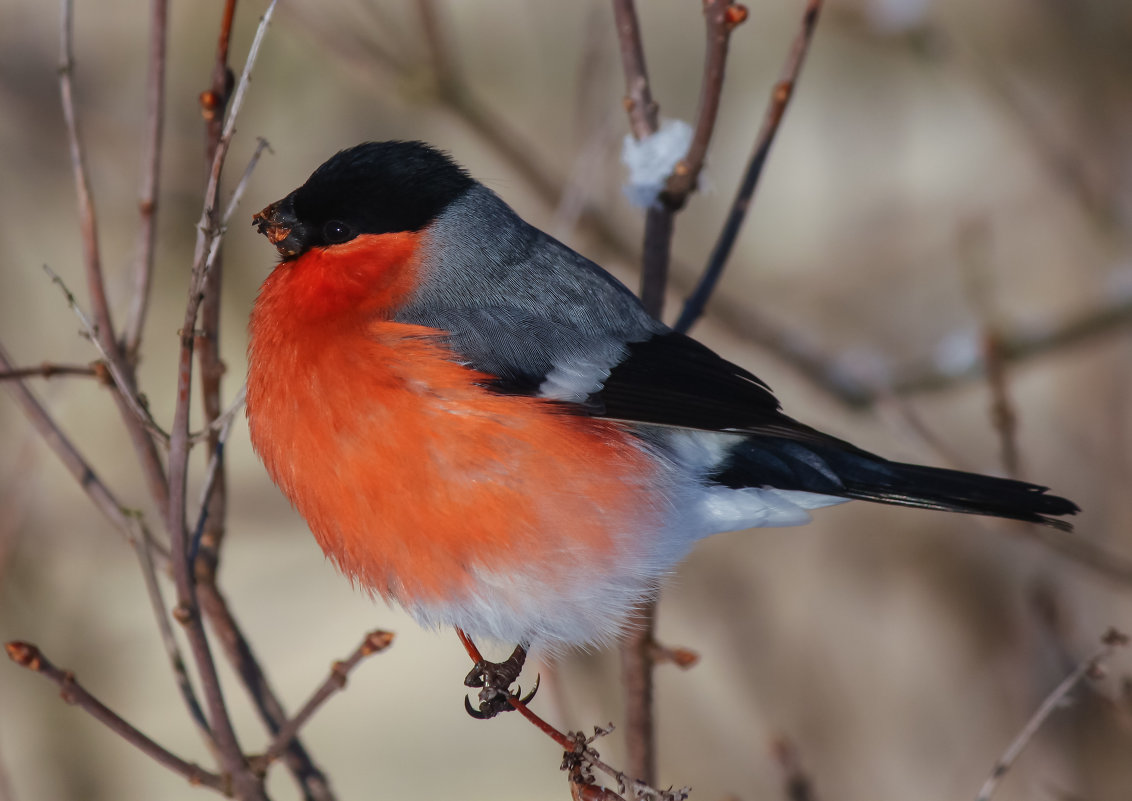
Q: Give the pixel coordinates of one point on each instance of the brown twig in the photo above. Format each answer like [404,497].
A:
[92,259]
[245,783]
[76,464]
[143,547]
[240,655]
[48,370]
[772,121]
[212,484]
[151,175]
[118,373]
[1090,667]
[28,656]
[374,642]
[643,111]
[636,650]
[214,101]
[721,17]
[140,435]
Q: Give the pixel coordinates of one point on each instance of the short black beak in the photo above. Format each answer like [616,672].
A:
[278,223]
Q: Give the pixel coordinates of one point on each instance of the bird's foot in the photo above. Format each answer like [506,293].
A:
[494,680]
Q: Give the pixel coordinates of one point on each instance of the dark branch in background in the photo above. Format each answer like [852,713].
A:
[30,657]
[926,377]
[151,176]
[772,120]
[974,261]
[1079,550]
[1089,668]
[796,783]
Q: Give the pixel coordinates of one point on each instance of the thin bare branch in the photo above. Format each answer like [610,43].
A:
[143,547]
[974,239]
[772,120]
[238,651]
[1078,550]
[188,611]
[150,183]
[210,478]
[374,642]
[129,523]
[636,650]
[643,111]
[48,370]
[721,17]
[140,436]
[261,145]
[95,489]
[121,381]
[1112,640]
[28,656]
[214,101]
[92,259]
[224,419]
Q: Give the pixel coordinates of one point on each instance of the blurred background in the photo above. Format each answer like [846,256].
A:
[947,173]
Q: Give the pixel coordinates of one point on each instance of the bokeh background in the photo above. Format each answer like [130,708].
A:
[946,169]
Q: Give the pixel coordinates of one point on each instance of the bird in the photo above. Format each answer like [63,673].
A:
[484,427]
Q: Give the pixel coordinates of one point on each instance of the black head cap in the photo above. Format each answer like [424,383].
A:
[372,188]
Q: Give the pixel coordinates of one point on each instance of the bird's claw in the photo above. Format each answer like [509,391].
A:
[499,701]
[494,680]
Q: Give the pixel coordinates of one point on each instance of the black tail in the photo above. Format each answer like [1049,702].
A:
[832,467]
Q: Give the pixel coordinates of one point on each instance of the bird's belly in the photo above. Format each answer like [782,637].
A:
[500,514]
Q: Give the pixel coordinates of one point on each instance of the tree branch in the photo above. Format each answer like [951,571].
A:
[92,259]
[246,784]
[28,656]
[721,17]
[120,378]
[643,111]
[374,642]
[151,176]
[49,370]
[75,463]
[1112,640]
[772,120]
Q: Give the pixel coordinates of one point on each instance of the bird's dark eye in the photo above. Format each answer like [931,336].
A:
[336,232]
